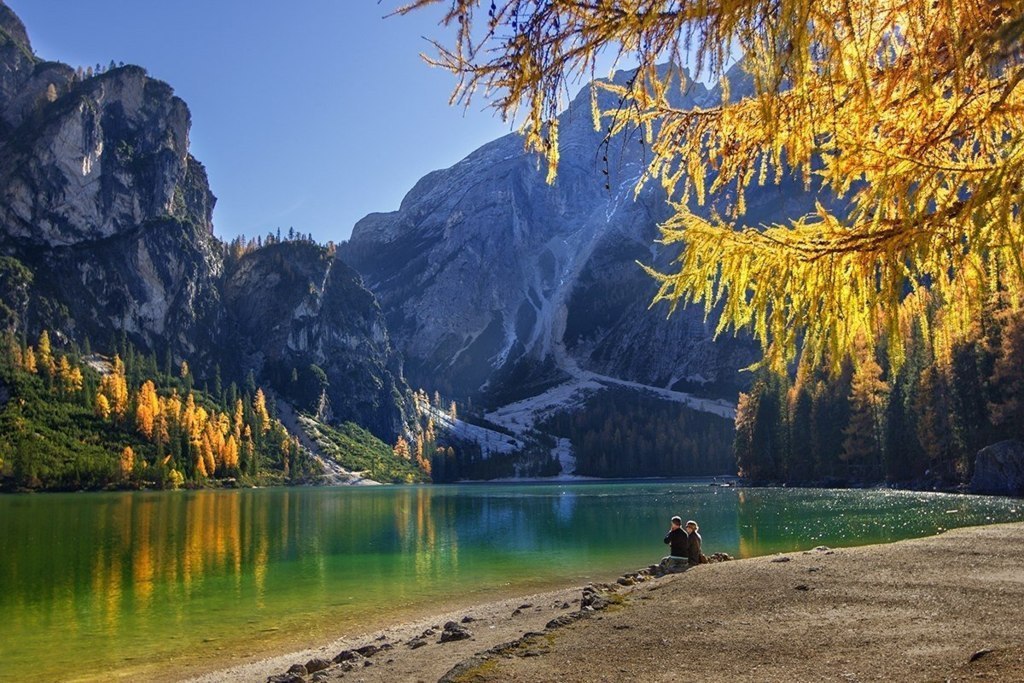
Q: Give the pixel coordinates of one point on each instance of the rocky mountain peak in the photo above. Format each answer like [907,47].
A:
[104,206]
[98,157]
[492,280]
[17,61]
[13,28]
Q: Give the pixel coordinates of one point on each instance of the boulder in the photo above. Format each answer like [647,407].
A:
[316,664]
[368,650]
[286,678]
[453,632]
[999,469]
[672,565]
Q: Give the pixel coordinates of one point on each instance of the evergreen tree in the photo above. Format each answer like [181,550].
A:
[864,432]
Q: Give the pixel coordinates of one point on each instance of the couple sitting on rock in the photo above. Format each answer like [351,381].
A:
[684,545]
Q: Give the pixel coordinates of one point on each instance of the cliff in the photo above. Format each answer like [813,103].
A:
[106,219]
[492,281]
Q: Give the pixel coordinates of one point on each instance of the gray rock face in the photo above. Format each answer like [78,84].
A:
[101,200]
[17,60]
[486,270]
[105,156]
[105,223]
[999,469]
[293,305]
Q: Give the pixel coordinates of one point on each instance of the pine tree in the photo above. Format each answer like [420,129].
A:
[1007,379]
[934,427]
[862,442]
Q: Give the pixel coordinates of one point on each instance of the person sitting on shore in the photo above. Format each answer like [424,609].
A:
[676,538]
[693,542]
[678,543]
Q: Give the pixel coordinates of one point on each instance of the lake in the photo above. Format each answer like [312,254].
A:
[141,584]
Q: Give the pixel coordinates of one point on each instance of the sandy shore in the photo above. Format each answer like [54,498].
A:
[947,607]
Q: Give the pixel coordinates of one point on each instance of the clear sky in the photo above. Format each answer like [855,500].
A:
[307,114]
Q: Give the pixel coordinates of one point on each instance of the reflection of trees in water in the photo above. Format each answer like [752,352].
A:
[164,569]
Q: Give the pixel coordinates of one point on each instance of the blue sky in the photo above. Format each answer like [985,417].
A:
[308,114]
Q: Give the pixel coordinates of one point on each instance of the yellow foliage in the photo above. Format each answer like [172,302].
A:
[127,462]
[44,354]
[29,361]
[401,448]
[147,409]
[230,457]
[176,478]
[115,387]
[102,406]
[259,405]
[69,377]
[910,111]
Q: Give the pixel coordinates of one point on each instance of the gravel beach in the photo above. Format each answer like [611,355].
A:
[946,607]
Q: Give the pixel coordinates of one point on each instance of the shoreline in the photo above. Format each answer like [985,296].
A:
[918,609]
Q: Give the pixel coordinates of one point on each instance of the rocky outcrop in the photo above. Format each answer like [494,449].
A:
[486,274]
[102,202]
[292,306]
[106,229]
[999,469]
[106,155]
[17,61]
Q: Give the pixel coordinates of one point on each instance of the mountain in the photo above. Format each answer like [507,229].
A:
[494,283]
[107,217]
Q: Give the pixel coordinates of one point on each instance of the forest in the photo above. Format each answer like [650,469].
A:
[623,433]
[76,419]
[919,424]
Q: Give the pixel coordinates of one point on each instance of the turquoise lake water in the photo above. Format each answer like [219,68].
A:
[144,584]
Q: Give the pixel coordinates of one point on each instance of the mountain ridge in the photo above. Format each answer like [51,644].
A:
[103,203]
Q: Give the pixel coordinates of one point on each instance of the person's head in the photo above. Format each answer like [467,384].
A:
[691,526]
[677,522]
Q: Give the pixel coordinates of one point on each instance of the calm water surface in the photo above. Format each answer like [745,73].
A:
[94,584]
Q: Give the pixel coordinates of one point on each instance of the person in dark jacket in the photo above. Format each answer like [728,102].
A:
[693,541]
[677,539]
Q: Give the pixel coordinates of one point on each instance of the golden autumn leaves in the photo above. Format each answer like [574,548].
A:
[192,437]
[910,112]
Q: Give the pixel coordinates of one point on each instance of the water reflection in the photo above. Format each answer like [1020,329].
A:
[154,576]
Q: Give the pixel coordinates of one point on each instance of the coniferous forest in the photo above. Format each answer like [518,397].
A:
[620,433]
[920,424]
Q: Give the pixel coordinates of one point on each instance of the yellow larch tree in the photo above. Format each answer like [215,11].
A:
[127,462]
[230,457]
[102,407]
[29,361]
[69,377]
[401,448]
[259,406]
[212,446]
[114,386]
[911,112]
[147,409]
[44,355]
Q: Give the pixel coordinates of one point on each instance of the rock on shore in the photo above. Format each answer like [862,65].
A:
[938,608]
